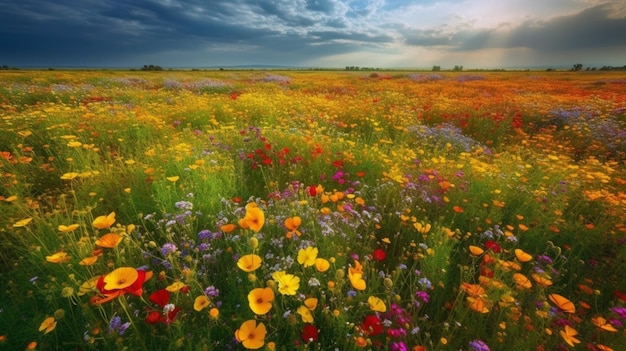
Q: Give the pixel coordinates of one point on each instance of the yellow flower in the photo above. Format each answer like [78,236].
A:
[201,303]
[58,257]
[260,300]
[104,222]
[67,228]
[288,284]
[22,223]
[311,303]
[173,179]
[568,334]
[109,241]
[376,304]
[305,313]
[355,275]
[69,176]
[120,278]
[306,257]
[322,264]
[48,325]
[251,335]
[175,286]
[249,263]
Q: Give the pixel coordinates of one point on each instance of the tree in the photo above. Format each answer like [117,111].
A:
[577,67]
[436,68]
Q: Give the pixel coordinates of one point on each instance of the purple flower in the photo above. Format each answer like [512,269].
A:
[168,248]
[478,345]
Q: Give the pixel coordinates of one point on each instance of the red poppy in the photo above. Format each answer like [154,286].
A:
[162,299]
[309,333]
[312,190]
[379,254]
[371,325]
[620,295]
[493,246]
[119,282]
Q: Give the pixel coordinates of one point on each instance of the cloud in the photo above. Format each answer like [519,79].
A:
[216,32]
[592,28]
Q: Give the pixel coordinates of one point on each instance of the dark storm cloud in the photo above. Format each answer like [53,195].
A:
[97,31]
[593,28]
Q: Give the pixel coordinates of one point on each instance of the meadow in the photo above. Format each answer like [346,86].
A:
[309,210]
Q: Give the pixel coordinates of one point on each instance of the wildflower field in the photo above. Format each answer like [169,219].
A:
[309,210]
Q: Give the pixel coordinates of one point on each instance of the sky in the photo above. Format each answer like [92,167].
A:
[313,33]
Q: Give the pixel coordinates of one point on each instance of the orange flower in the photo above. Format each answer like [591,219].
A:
[104,222]
[521,281]
[227,228]
[601,323]
[523,256]
[568,334]
[109,241]
[562,303]
[475,250]
[292,224]
[254,218]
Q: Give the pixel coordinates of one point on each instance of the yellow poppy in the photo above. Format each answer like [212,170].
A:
[67,228]
[260,300]
[175,286]
[322,264]
[201,302]
[311,303]
[120,278]
[307,256]
[251,335]
[22,223]
[305,314]
[48,325]
[249,263]
[58,257]
[288,284]
[376,304]
[104,222]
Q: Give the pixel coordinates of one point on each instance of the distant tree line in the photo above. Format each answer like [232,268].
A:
[6,68]
[151,68]
[357,68]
